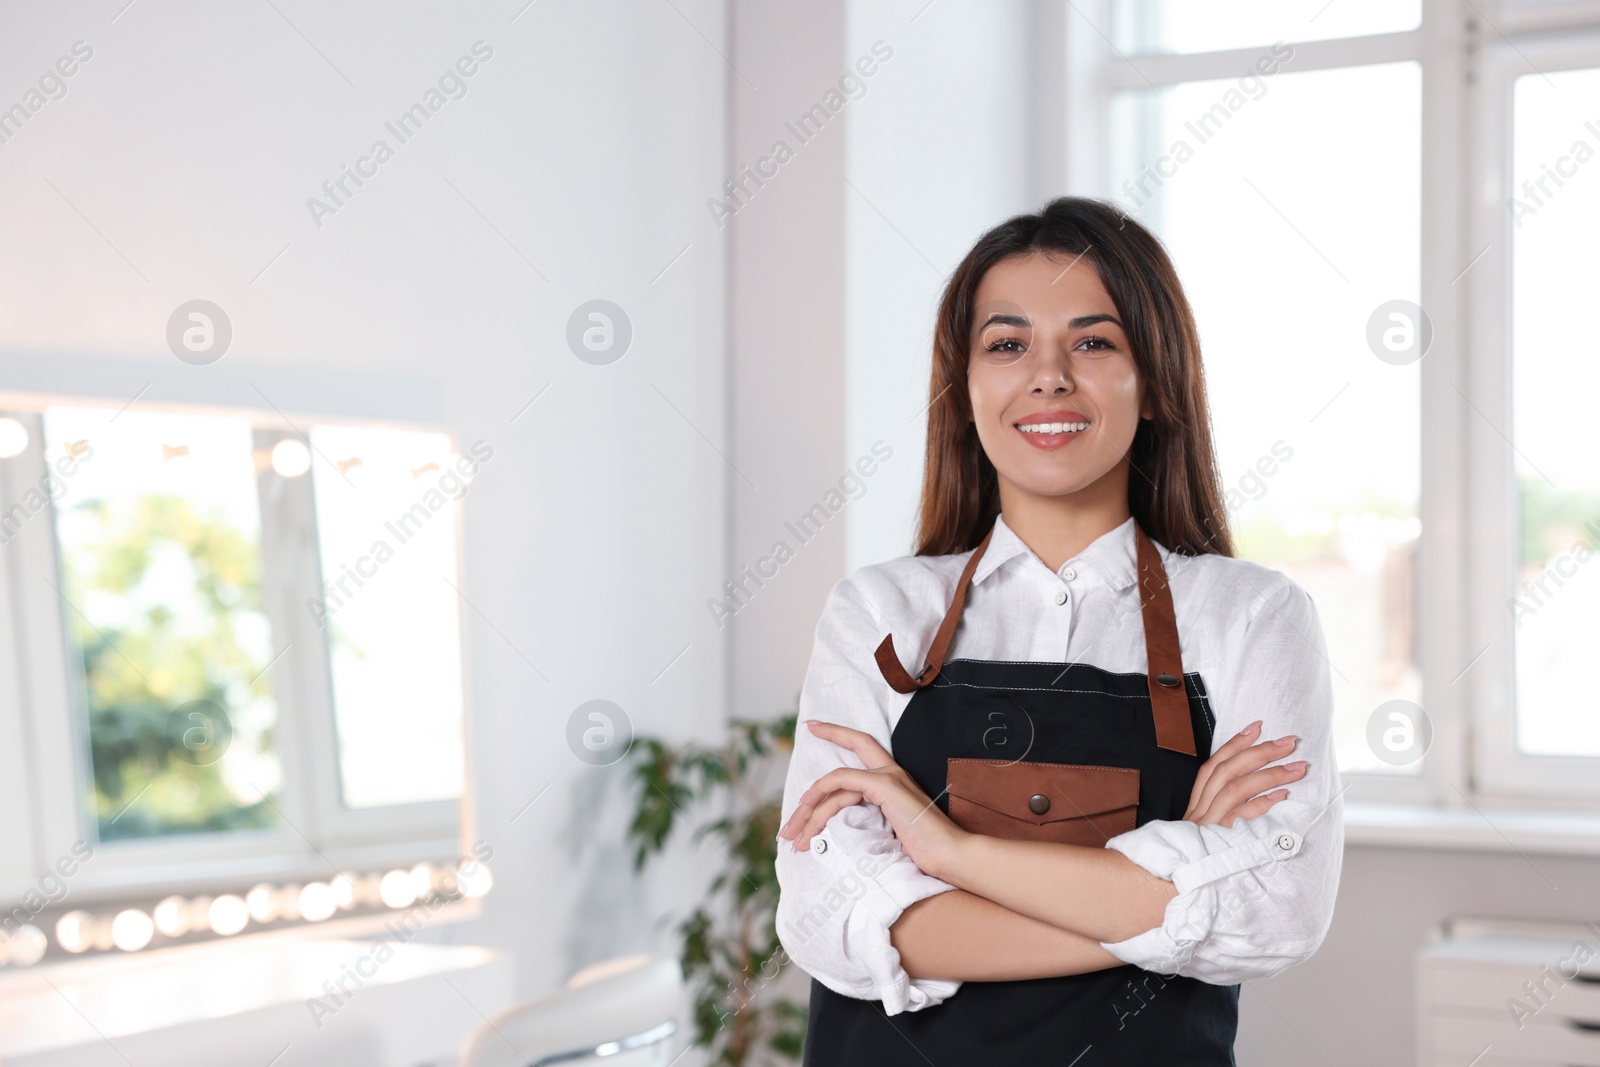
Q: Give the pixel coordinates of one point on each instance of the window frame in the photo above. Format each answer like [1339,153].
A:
[1465,561]
[1503,771]
[317,835]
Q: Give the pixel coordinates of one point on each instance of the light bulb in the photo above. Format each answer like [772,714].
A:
[474,879]
[229,914]
[263,903]
[13,437]
[74,931]
[317,901]
[132,930]
[27,946]
[290,457]
[172,917]
[395,890]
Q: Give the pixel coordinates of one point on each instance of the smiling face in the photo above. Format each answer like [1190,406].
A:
[1055,392]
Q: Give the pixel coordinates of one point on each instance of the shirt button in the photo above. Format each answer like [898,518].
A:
[1286,842]
[1069,574]
[820,845]
[1061,597]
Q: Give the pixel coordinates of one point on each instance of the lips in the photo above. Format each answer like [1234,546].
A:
[1052,429]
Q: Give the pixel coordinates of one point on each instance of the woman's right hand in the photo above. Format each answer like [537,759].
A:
[1234,782]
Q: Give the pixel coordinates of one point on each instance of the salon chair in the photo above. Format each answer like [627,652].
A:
[621,1013]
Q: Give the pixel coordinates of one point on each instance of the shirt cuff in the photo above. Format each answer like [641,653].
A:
[891,884]
[1195,859]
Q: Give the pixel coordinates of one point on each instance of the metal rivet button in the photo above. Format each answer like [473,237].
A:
[1069,574]
[1286,842]
[820,845]
[1038,803]
[1167,680]
[1061,597]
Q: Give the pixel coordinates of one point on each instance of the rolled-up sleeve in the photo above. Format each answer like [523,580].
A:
[838,899]
[1256,897]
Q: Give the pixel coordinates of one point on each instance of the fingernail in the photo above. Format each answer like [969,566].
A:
[1297,765]
[1289,740]
[1249,728]
[1278,794]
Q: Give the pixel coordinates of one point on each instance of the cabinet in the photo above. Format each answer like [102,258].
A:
[1508,994]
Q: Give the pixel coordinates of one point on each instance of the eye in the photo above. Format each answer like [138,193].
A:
[1097,344]
[1006,344]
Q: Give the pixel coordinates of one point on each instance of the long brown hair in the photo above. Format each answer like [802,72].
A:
[1174,491]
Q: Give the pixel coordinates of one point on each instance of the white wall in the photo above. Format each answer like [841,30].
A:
[178,166]
[787,342]
[939,152]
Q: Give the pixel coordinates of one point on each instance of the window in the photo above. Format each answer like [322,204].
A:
[384,507]
[1537,158]
[1271,210]
[1152,26]
[1555,376]
[233,650]
[1383,213]
[158,537]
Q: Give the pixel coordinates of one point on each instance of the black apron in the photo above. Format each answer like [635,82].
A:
[1024,720]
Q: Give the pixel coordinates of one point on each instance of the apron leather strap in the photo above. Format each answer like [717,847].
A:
[1169,700]
[889,662]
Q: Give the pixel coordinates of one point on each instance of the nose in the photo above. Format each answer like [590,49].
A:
[1052,373]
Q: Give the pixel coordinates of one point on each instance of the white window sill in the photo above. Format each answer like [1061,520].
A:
[1479,829]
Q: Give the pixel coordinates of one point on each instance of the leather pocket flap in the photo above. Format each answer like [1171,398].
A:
[1042,793]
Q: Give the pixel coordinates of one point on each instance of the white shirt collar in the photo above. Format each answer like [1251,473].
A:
[1111,557]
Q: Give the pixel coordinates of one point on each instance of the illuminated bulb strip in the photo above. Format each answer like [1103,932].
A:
[133,929]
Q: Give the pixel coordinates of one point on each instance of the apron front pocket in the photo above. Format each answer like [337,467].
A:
[1024,800]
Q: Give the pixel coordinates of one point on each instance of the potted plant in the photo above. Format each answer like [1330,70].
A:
[730,950]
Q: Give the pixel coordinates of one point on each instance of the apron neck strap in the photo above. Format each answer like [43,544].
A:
[1163,660]
[889,662]
[1168,699]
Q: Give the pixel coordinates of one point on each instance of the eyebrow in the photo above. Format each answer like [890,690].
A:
[997,319]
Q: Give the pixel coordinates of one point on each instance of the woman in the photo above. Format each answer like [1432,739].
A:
[1038,810]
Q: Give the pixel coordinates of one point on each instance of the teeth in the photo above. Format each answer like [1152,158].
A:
[1053,427]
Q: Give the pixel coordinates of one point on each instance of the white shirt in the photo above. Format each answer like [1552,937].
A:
[1252,899]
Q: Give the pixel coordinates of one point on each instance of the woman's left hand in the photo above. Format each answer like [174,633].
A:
[926,833]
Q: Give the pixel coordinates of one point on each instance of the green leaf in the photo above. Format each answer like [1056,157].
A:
[729,944]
